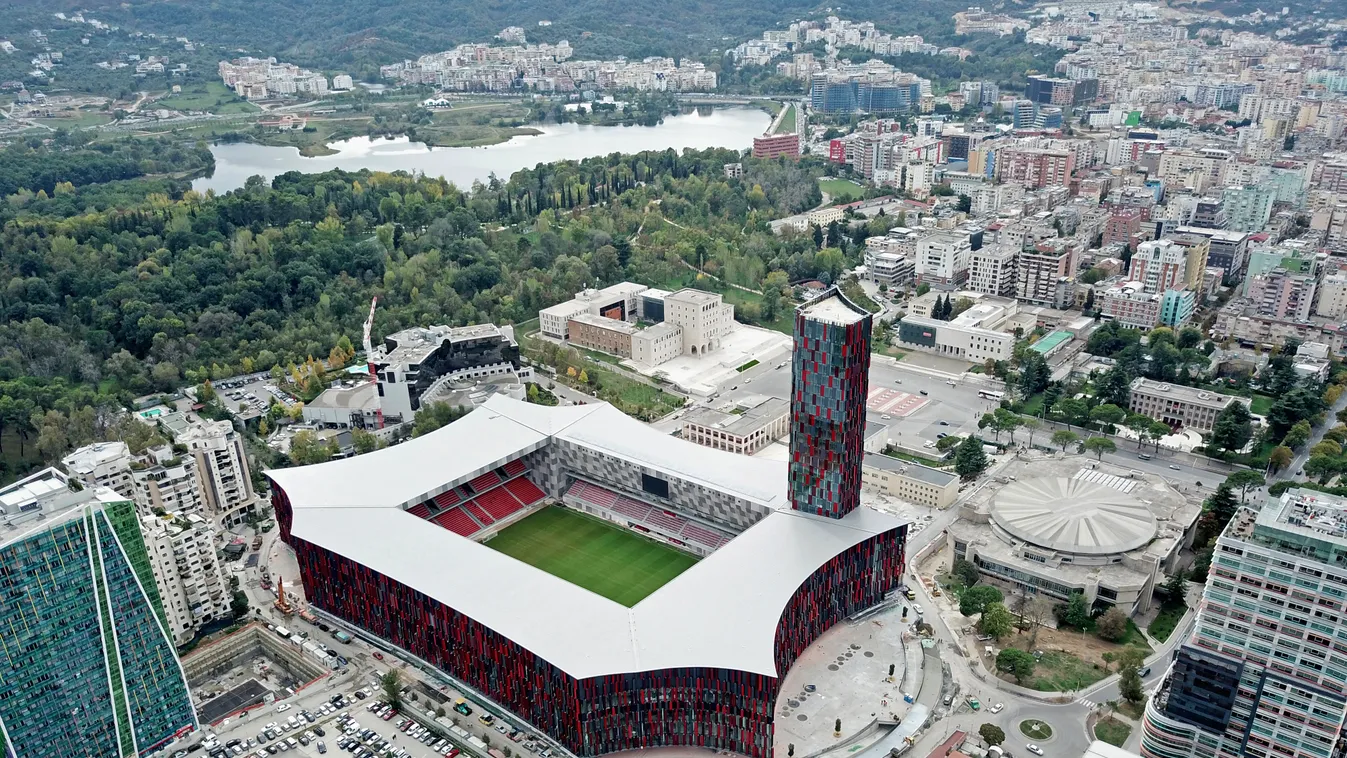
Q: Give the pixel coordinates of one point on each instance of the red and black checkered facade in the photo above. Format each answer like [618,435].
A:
[827,424]
[715,708]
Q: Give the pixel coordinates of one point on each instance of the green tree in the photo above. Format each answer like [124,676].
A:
[1017,663]
[944,444]
[975,600]
[1328,448]
[1219,508]
[970,460]
[1065,438]
[1075,612]
[1130,685]
[432,416]
[1280,457]
[365,442]
[1244,481]
[1176,587]
[1297,435]
[1321,467]
[1107,416]
[1139,423]
[966,571]
[1112,625]
[392,687]
[997,621]
[923,288]
[1099,446]
[306,448]
[1071,410]
[991,733]
[1232,430]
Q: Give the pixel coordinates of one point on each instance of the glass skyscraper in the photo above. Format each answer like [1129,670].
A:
[831,377]
[86,665]
[1264,671]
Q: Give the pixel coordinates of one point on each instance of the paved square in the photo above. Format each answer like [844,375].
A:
[893,402]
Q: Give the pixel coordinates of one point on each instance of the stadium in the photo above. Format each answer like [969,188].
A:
[612,586]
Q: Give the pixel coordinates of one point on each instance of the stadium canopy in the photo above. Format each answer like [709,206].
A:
[1073,516]
[720,613]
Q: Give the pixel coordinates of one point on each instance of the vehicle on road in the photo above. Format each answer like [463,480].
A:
[952,383]
[996,395]
[897,381]
[887,417]
[924,392]
[1176,468]
[283,707]
[974,704]
[996,708]
[378,656]
[944,423]
[461,706]
[1035,749]
[920,611]
[1144,456]
[1144,671]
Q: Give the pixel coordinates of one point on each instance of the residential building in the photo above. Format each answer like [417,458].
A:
[831,374]
[893,269]
[1177,405]
[909,481]
[342,82]
[603,334]
[657,344]
[1283,294]
[619,301]
[777,146]
[974,335]
[1122,226]
[1130,305]
[872,87]
[222,468]
[1045,90]
[704,318]
[86,667]
[1248,208]
[1159,265]
[1332,300]
[745,432]
[1040,271]
[169,483]
[103,464]
[1035,167]
[1260,674]
[992,270]
[1228,250]
[1240,320]
[186,571]
[734,171]
[1177,307]
[942,258]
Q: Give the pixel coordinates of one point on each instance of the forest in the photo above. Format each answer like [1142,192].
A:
[120,288]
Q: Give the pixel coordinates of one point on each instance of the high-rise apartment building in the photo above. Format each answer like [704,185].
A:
[1248,209]
[1263,673]
[1035,167]
[86,666]
[942,258]
[830,381]
[103,464]
[222,466]
[155,480]
[991,270]
[1159,265]
[1039,271]
[186,572]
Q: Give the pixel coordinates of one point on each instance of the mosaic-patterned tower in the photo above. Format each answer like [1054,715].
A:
[831,376]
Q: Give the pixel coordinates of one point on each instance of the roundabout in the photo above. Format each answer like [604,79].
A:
[1035,729]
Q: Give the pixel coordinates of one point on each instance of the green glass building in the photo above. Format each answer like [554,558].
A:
[86,665]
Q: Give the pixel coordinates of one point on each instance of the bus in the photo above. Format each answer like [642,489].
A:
[996,395]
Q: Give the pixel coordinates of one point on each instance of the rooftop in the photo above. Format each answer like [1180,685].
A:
[832,307]
[1309,511]
[364,395]
[699,297]
[1179,392]
[700,619]
[1050,341]
[36,502]
[600,322]
[740,425]
[1075,515]
[87,459]
[911,470]
[414,345]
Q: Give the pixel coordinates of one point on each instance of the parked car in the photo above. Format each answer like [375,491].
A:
[1035,749]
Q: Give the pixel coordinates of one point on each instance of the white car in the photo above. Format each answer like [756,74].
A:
[1035,749]
[996,708]
[920,611]
[283,707]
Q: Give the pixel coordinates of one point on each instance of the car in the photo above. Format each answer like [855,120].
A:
[897,381]
[944,423]
[974,704]
[360,695]
[941,436]
[918,609]
[780,365]
[318,730]
[735,387]
[283,707]
[486,719]
[996,708]
[1176,468]
[321,747]
[1035,749]
[389,715]
[378,656]
[948,700]
[1144,456]
[952,383]
[1144,671]
[886,417]
[924,392]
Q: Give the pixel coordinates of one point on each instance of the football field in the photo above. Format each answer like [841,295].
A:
[600,557]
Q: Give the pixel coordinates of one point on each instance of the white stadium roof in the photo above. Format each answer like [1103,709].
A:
[1074,516]
[722,612]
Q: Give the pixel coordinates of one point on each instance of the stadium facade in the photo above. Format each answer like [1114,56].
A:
[87,666]
[391,542]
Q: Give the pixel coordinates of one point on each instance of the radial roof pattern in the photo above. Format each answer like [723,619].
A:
[1073,516]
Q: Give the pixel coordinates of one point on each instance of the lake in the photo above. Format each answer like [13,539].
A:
[722,127]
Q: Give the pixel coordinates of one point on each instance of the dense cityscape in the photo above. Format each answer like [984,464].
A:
[864,381]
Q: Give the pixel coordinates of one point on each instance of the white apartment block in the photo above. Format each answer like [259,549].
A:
[942,258]
[222,467]
[169,483]
[992,270]
[187,572]
[892,269]
[1159,265]
[1332,301]
[103,464]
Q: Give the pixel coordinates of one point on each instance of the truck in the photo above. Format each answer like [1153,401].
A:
[341,636]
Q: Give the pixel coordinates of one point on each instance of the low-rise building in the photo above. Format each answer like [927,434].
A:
[973,335]
[909,481]
[893,269]
[620,302]
[704,317]
[1240,320]
[103,464]
[776,146]
[1177,405]
[745,432]
[415,363]
[606,335]
[657,344]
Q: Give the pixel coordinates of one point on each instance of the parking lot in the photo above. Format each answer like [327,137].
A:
[248,397]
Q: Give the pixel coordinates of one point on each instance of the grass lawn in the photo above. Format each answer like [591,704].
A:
[1035,729]
[841,190]
[1165,621]
[600,557]
[1061,672]
[787,121]
[1261,405]
[210,96]
[1112,731]
[80,119]
[1131,710]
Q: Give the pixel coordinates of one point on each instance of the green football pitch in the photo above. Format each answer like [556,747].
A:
[601,557]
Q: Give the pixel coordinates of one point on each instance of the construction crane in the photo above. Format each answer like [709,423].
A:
[369,357]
